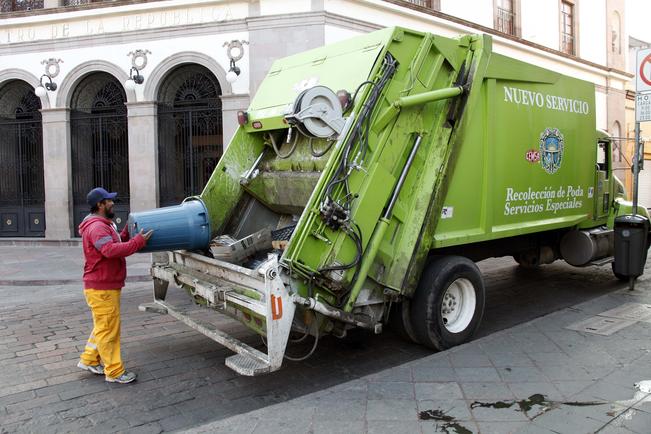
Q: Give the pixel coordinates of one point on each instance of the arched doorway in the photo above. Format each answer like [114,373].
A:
[22,187]
[100,146]
[189,132]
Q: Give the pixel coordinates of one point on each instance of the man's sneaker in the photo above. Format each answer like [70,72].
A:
[126,377]
[95,369]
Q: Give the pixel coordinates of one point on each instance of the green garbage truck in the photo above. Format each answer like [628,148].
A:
[367,178]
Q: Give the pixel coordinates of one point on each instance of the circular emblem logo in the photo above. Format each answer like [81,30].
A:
[551,150]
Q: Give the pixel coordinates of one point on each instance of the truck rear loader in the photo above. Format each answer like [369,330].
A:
[366,179]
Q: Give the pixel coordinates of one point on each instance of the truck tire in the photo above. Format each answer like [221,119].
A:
[524,263]
[449,302]
[400,321]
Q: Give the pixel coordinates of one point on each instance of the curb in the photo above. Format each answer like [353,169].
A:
[46,282]
[38,242]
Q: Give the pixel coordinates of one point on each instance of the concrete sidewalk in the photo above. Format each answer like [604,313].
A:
[56,265]
[537,377]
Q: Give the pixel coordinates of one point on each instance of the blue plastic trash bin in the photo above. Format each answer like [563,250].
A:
[180,227]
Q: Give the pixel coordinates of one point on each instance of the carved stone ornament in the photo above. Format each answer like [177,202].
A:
[235,50]
[52,67]
[139,59]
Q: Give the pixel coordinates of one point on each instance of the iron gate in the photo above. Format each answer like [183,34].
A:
[100,146]
[22,188]
[189,132]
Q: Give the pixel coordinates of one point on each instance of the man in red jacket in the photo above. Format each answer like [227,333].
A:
[105,270]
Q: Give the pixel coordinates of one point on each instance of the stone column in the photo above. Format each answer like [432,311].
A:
[231,104]
[57,173]
[143,155]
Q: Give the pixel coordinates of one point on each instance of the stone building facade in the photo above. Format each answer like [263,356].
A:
[155,142]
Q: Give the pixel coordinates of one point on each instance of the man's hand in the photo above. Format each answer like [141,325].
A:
[146,235]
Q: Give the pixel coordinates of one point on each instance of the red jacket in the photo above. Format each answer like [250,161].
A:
[104,251]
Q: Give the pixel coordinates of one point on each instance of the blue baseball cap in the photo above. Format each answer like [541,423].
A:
[98,194]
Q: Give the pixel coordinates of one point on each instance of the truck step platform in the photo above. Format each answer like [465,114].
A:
[603,261]
[248,361]
[247,365]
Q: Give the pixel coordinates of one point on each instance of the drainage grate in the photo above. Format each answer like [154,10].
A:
[634,311]
[600,325]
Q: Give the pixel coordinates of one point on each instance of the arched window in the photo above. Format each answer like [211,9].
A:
[190,139]
[22,189]
[100,147]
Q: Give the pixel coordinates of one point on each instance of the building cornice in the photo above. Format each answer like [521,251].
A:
[113,7]
[159,33]
[519,41]
[288,20]
[264,22]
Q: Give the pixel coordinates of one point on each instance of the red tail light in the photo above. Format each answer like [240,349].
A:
[242,118]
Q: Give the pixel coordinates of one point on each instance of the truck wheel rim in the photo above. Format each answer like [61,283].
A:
[458,306]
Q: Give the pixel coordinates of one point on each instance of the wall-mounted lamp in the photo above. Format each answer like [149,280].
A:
[52,69]
[138,63]
[234,51]
[134,78]
[42,89]
[233,73]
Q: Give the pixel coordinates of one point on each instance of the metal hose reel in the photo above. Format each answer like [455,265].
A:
[317,113]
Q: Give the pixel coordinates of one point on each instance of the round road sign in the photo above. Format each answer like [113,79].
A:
[645,70]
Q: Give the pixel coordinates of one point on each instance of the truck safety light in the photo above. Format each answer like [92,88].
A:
[242,118]
[344,99]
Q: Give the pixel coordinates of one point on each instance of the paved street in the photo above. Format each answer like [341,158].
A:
[524,373]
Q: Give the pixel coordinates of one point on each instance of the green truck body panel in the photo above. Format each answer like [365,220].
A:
[500,159]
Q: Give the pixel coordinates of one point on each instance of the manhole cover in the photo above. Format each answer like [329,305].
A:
[634,311]
[600,325]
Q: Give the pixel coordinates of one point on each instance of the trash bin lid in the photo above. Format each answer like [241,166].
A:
[632,220]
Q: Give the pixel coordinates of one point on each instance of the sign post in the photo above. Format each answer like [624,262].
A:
[642,110]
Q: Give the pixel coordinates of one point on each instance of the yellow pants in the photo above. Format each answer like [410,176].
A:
[104,342]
